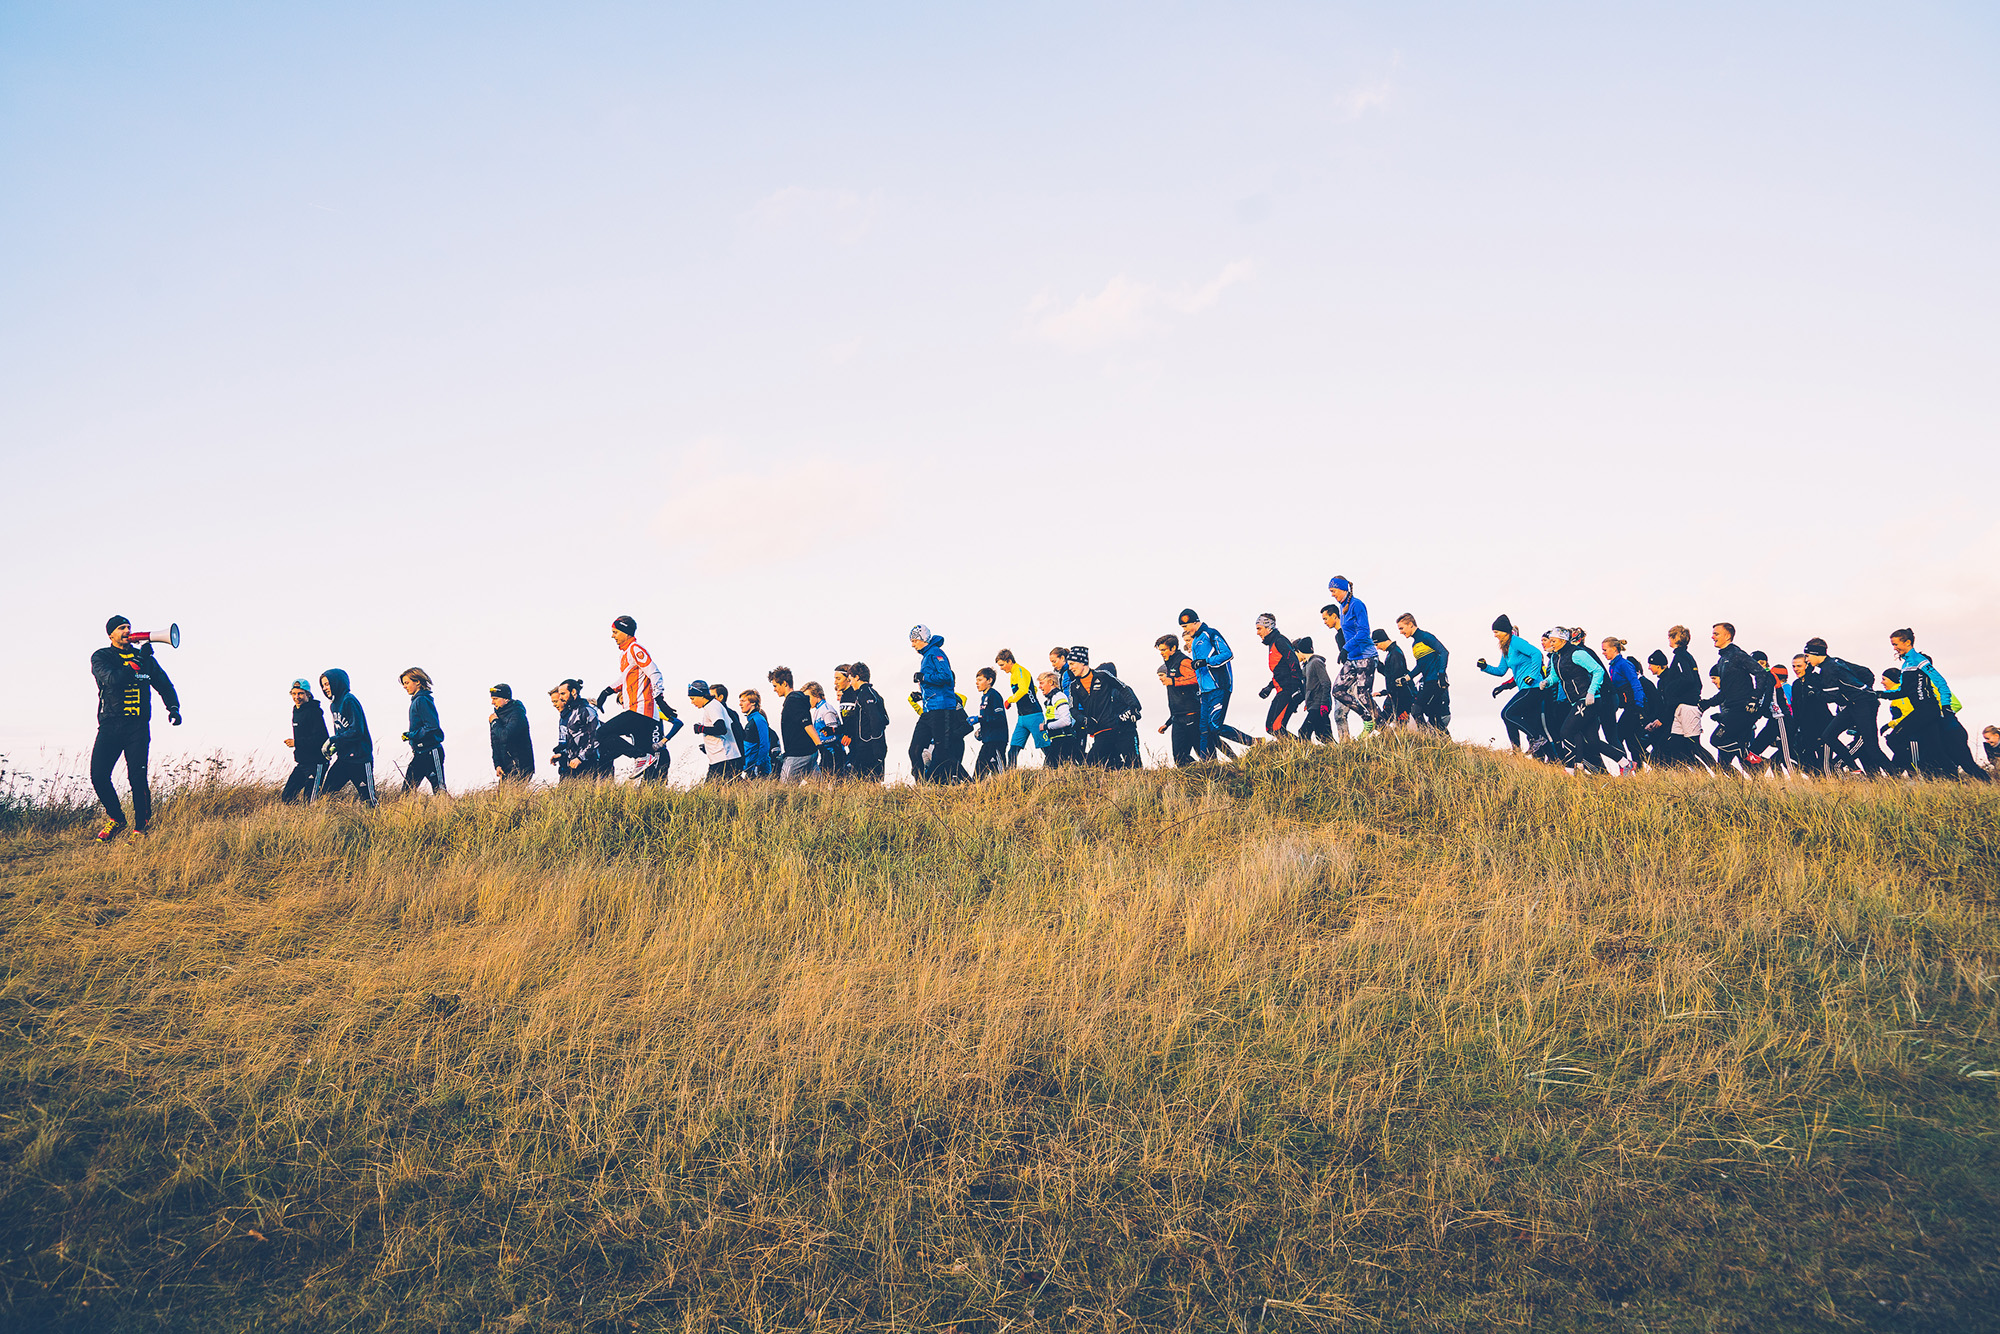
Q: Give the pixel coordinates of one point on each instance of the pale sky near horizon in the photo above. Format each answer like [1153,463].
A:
[373,336]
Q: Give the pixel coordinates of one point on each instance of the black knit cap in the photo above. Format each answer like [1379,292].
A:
[626,625]
[501,691]
[1079,655]
[1657,658]
[1502,624]
[1817,646]
[1189,615]
[115,622]
[1303,644]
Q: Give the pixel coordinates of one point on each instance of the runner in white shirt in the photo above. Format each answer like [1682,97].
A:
[718,744]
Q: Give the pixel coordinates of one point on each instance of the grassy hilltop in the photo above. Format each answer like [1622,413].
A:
[1397,1035]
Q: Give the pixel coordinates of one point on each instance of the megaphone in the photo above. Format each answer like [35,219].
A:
[173,636]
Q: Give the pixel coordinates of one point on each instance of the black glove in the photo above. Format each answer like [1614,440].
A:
[174,717]
[1265,693]
[917,678]
[1482,662]
[1498,691]
[605,694]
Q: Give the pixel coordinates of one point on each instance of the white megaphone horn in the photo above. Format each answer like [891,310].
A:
[172,636]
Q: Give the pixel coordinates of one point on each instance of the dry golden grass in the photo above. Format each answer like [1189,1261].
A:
[1397,1035]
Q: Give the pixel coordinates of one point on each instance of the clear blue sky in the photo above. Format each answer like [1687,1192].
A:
[371,336]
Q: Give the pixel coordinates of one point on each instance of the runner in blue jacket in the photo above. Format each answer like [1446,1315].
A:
[1215,679]
[1355,686]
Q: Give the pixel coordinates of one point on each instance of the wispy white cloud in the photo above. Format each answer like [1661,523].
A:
[1126,309]
[742,513]
[844,215]
[1372,94]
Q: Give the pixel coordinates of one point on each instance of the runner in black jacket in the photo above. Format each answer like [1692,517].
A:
[1287,680]
[1736,699]
[1849,688]
[513,751]
[126,679]
[307,744]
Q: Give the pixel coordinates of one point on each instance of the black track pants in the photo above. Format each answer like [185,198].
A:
[304,778]
[129,739]
[426,766]
[358,770]
[1433,707]
[1523,716]
[943,731]
[1858,717]
[992,757]
[1283,704]
[631,735]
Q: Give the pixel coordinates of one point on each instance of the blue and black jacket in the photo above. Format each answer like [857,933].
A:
[939,682]
[1212,655]
[1428,656]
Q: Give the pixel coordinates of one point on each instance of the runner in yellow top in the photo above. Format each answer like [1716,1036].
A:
[1027,708]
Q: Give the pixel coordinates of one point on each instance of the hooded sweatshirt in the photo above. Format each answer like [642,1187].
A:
[350,723]
[937,678]
[308,732]
[425,731]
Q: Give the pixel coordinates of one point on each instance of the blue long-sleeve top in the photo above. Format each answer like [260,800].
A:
[937,678]
[1211,654]
[1521,660]
[426,733]
[1623,669]
[1355,636]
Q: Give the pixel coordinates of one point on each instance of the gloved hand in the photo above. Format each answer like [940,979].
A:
[406,736]
[1265,693]
[1499,691]
[605,694]
[917,677]
[174,717]
[1482,662]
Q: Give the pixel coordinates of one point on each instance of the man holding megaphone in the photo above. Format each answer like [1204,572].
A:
[127,676]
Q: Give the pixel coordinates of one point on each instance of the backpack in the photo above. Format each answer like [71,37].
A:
[1128,701]
[1849,676]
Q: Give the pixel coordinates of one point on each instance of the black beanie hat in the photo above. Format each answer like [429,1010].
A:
[1657,658]
[1189,616]
[501,691]
[1502,624]
[1817,646]
[115,622]
[1303,644]
[625,625]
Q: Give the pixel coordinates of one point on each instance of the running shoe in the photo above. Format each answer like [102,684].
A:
[111,830]
[640,765]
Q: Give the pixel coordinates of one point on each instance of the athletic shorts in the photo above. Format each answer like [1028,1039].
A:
[1028,728]
[1687,720]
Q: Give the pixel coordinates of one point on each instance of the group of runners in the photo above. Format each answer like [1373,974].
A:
[1587,709]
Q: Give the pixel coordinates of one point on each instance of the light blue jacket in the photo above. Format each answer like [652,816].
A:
[1915,661]
[1523,661]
